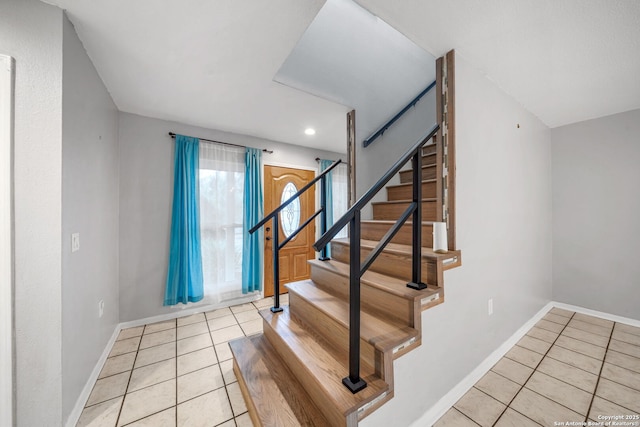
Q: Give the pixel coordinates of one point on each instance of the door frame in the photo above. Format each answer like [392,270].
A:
[7,272]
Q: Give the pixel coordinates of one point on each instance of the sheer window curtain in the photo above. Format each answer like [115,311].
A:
[337,197]
[222,172]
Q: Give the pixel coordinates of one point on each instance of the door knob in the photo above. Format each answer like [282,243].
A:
[267,238]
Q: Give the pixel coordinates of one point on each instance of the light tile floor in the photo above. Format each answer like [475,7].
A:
[175,373]
[569,367]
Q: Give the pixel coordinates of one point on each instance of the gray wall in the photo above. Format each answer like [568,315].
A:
[596,232]
[31,32]
[146,187]
[503,186]
[89,207]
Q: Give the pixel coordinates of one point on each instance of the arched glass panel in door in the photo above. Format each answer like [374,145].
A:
[290,216]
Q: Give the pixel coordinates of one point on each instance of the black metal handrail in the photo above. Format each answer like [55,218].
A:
[276,228]
[387,125]
[356,269]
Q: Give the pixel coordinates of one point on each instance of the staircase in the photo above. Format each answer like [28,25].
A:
[292,373]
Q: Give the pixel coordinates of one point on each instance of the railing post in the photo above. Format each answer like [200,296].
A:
[276,265]
[323,216]
[416,235]
[353,382]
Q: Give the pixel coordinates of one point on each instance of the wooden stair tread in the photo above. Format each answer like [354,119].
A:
[276,397]
[384,335]
[381,281]
[394,202]
[409,184]
[320,364]
[400,249]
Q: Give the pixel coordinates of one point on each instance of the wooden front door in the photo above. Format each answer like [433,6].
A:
[280,183]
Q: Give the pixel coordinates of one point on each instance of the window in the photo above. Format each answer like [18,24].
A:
[290,215]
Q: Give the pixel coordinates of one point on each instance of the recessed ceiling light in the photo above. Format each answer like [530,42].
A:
[309,131]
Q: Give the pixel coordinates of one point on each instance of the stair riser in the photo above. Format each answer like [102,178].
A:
[394,265]
[428,172]
[304,377]
[406,192]
[428,149]
[395,210]
[373,300]
[336,334]
[375,231]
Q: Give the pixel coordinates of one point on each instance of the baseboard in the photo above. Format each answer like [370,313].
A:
[88,387]
[449,399]
[443,405]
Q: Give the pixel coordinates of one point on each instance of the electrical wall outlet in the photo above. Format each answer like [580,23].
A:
[490,306]
[75,242]
[100,308]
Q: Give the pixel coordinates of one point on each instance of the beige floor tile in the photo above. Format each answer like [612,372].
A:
[227,372]
[561,320]
[245,316]
[238,404]
[166,418]
[569,374]
[223,351]
[621,376]
[581,347]
[263,303]
[627,328]
[549,326]
[196,360]
[108,388]
[602,407]
[594,320]
[480,407]
[534,344]
[207,410]
[623,360]
[157,338]
[454,418]
[586,336]
[619,394]
[231,423]
[117,364]
[561,312]
[560,392]
[573,358]
[498,387]
[148,401]
[104,414]
[252,327]
[194,318]
[159,326]
[221,312]
[511,418]
[152,374]
[130,333]
[626,337]
[543,334]
[226,334]
[155,354]
[199,382]
[192,329]
[513,370]
[222,322]
[625,348]
[524,356]
[190,344]
[590,327]
[243,420]
[242,307]
[284,299]
[124,346]
[542,410]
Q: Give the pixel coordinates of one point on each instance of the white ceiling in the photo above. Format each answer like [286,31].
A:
[211,63]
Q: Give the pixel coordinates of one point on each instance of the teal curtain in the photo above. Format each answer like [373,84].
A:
[324,165]
[184,276]
[252,249]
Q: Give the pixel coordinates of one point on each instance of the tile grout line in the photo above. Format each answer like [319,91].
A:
[593,397]
[534,369]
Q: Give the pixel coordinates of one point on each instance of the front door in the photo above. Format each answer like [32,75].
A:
[280,183]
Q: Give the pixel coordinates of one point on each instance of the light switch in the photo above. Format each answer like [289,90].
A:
[75,242]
